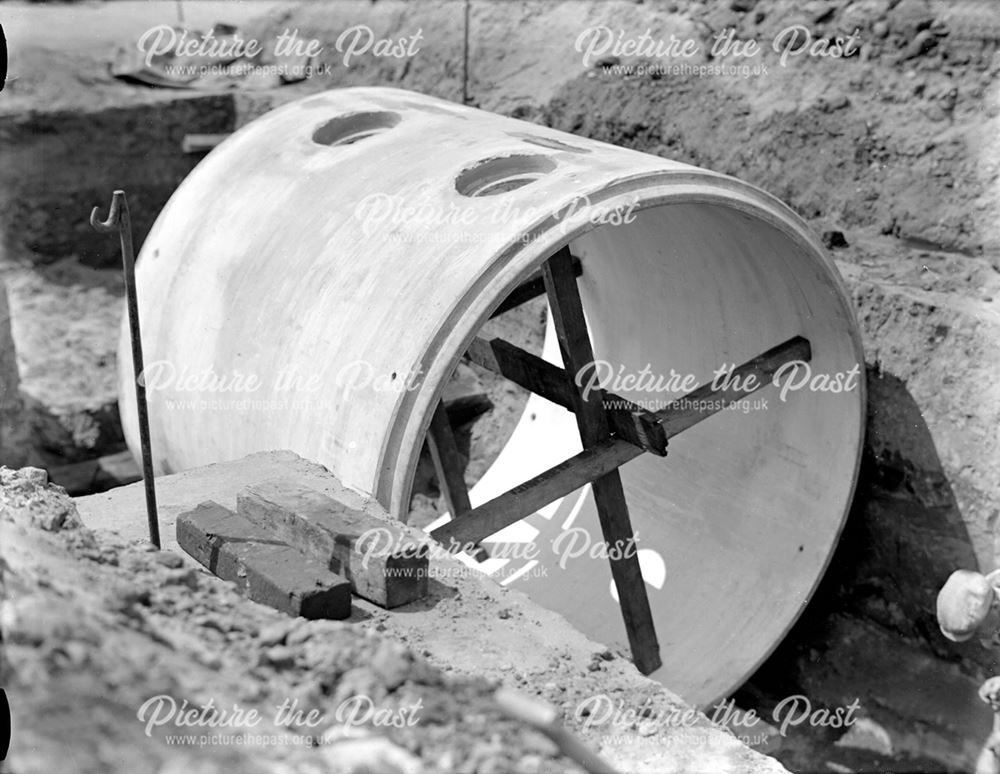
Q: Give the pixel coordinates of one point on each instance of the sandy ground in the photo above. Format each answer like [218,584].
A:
[898,151]
[159,624]
[80,665]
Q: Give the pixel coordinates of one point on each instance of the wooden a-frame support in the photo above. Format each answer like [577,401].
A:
[612,430]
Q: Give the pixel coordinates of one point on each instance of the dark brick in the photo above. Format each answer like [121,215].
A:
[266,570]
[329,531]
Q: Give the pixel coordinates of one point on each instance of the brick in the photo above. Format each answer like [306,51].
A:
[265,569]
[329,531]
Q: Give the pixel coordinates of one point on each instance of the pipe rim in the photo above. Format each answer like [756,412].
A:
[517,263]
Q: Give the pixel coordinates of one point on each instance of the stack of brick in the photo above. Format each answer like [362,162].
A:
[304,553]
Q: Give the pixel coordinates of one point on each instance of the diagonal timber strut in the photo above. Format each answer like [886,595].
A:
[613,431]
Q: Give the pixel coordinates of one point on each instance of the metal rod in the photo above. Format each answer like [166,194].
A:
[118,220]
[465,56]
[448,463]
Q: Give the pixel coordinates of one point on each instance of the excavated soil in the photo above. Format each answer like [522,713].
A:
[96,624]
[892,155]
[88,641]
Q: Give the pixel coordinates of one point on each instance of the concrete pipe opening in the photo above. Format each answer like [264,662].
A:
[315,281]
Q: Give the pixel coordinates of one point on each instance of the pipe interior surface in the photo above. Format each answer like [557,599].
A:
[314,282]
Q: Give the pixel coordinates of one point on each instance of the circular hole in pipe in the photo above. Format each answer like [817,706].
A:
[349,129]
[502,174]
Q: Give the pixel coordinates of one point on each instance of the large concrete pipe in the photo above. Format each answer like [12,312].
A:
[314,282]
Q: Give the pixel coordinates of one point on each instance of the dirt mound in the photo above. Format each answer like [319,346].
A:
[519,51]
[900,137]
[876,141]
[94,629]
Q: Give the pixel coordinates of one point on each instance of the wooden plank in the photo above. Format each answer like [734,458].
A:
[524,499]
[464,397]
[571,474]
[264,569]
[525,369]
[384,562]
[609,494]
[448,463]
[627,420]
[574,343]
[704,401]
[634,424]
[531,288]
